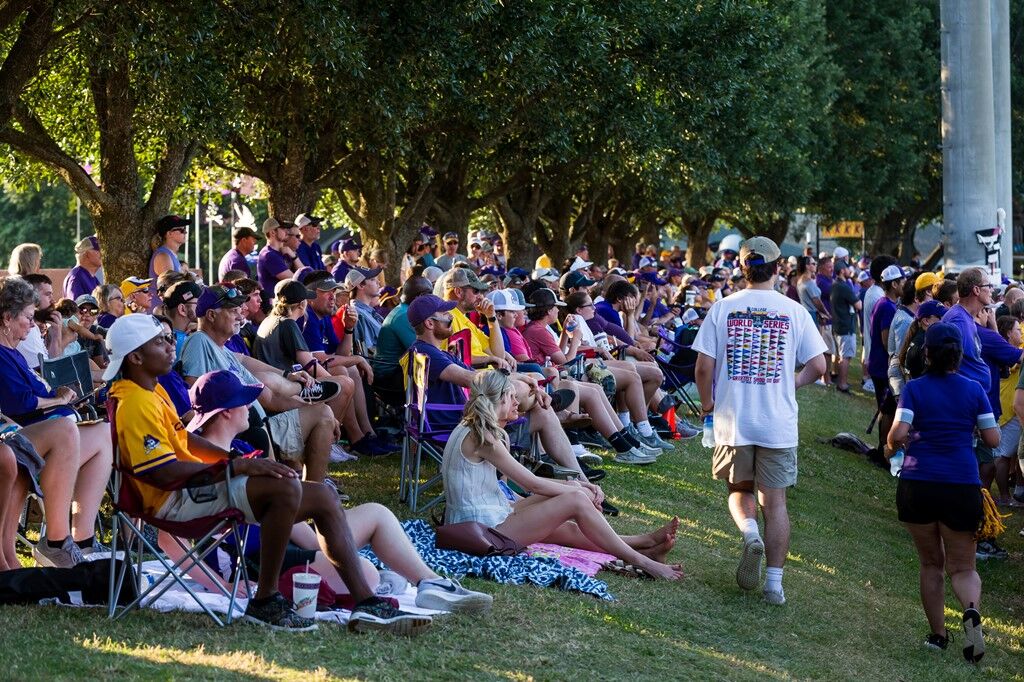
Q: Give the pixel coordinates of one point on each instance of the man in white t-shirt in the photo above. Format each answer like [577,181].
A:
[749,347]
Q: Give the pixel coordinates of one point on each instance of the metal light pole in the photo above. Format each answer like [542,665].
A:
[1001,104]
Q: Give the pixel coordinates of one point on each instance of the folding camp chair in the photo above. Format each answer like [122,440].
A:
[206,535]
[422,440]
[679,374]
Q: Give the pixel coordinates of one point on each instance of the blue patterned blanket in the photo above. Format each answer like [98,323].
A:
[508,570]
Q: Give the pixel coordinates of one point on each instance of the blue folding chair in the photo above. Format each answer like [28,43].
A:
[678,375]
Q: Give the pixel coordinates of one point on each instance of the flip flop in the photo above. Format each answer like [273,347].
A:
[620,567]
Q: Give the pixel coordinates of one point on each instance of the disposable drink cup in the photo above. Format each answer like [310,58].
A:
[305,587]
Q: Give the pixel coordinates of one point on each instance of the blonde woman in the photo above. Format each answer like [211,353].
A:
[561,512]
[26,259]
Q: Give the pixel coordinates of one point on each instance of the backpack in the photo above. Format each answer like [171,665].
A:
[87,583]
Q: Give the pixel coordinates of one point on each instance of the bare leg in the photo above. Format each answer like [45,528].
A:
[593,402]
[541,520]
[10,508]
[742,504]
[274,503]
[553,437]
[628,386]
[93,474]
[1002,477]
[928,543]
[318,433]
[359,402]
[376,525]
[960,565]
[58,442]
[776,525]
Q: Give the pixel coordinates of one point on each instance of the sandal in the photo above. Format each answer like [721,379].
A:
[620,567]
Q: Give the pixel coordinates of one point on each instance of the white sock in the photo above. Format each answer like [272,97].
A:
[773,579]
[645,428]
[578,449]
[749,529]
[624,418]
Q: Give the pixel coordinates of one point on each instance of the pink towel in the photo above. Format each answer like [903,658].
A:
[584,561]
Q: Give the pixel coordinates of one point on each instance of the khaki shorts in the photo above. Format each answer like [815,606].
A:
[286,432]
[770,467]
[825,331]
[846,345]
[195,503]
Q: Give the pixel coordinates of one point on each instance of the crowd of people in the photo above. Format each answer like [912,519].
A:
[299,351]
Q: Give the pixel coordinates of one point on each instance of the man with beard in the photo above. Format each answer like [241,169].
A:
[37,342]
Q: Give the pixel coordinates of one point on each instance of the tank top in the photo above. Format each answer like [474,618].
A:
[471,489]
[175,266]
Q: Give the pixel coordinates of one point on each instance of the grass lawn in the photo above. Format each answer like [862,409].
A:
[851,582]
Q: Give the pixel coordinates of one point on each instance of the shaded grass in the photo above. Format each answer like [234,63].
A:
[851,582]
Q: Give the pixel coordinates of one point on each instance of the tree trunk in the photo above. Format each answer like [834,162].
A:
[887,236]
[698,230]
[518,214]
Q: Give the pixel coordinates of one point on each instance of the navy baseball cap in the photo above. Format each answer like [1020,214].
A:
[574,279]
[940,333]
[219,296]
[425,306]
[931,309]
[652,277]
[217,391]
[351,245]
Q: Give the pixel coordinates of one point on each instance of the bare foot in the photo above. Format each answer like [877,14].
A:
[659,552]
[664,571]
[666,532]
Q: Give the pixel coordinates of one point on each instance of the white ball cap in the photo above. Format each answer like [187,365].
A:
[505,299]
[127,334]
[892,273]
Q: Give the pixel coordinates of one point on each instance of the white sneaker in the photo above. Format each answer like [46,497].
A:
[634,456]
[338,454]
[444,594]
[773,597]
[588,457]
[869,386]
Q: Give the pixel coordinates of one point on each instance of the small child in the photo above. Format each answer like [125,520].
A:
[72,328]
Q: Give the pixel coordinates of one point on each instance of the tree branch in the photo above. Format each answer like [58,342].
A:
[175,161]
[245,154]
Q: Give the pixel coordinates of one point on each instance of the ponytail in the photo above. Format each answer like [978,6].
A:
[481,411]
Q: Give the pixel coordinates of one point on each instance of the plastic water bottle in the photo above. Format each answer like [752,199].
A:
[708,440]
[896,462]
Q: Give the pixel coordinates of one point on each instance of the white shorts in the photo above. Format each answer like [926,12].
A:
[195,503]
[1009,439]
[846,345]
[286,432]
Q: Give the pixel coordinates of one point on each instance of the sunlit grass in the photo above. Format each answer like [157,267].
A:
[851,582]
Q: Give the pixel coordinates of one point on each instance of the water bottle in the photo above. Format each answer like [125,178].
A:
[896,462]
[708,440]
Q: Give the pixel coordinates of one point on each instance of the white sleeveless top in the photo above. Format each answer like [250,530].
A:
[471,489]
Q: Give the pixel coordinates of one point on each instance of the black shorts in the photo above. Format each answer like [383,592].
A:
[884,399]
[958,506]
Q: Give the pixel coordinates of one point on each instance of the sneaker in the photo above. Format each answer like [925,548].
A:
[974,646]
[748,573]
[654,441]
[772,597]
[338,455]
[937,641]
[1019,496]
[593,439]
[96,547]
[65,556]
[609,509]
[277,613]
[644,447]
[444,594]
[869,386]
[988,549]
[634,456]
[319,392]
[686,433]
[336,487]
[593,475]
[588,457]
[385,443]
[562,398]
[390,583]
[376,614]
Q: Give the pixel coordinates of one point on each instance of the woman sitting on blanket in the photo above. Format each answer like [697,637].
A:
[221,402]
[559,512]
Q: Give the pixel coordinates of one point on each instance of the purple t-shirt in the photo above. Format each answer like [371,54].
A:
[79,281]
[310,255]
[881,320]
[972,365]
[233,260]
[598,325]
[268,265]
[605,310]
[341,270]
[825,284]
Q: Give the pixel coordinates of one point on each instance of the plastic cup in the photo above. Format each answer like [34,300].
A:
[305,587]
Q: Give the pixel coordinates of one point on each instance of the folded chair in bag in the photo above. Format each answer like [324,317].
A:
[195,538]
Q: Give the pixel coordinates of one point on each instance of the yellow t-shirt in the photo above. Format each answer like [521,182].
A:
[479,342]
[149,435]
[1007,389]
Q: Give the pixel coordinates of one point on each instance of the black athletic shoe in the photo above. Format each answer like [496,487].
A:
[937,641]
[593,475]
[277,613]
[592,438]
[376,614]
[608,508]
[319,392]
[562,398]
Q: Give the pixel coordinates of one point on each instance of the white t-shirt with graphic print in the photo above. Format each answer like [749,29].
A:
[757,338]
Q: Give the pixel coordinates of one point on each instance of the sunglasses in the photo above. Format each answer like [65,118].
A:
[443,320]
[183,230]
[89,310]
